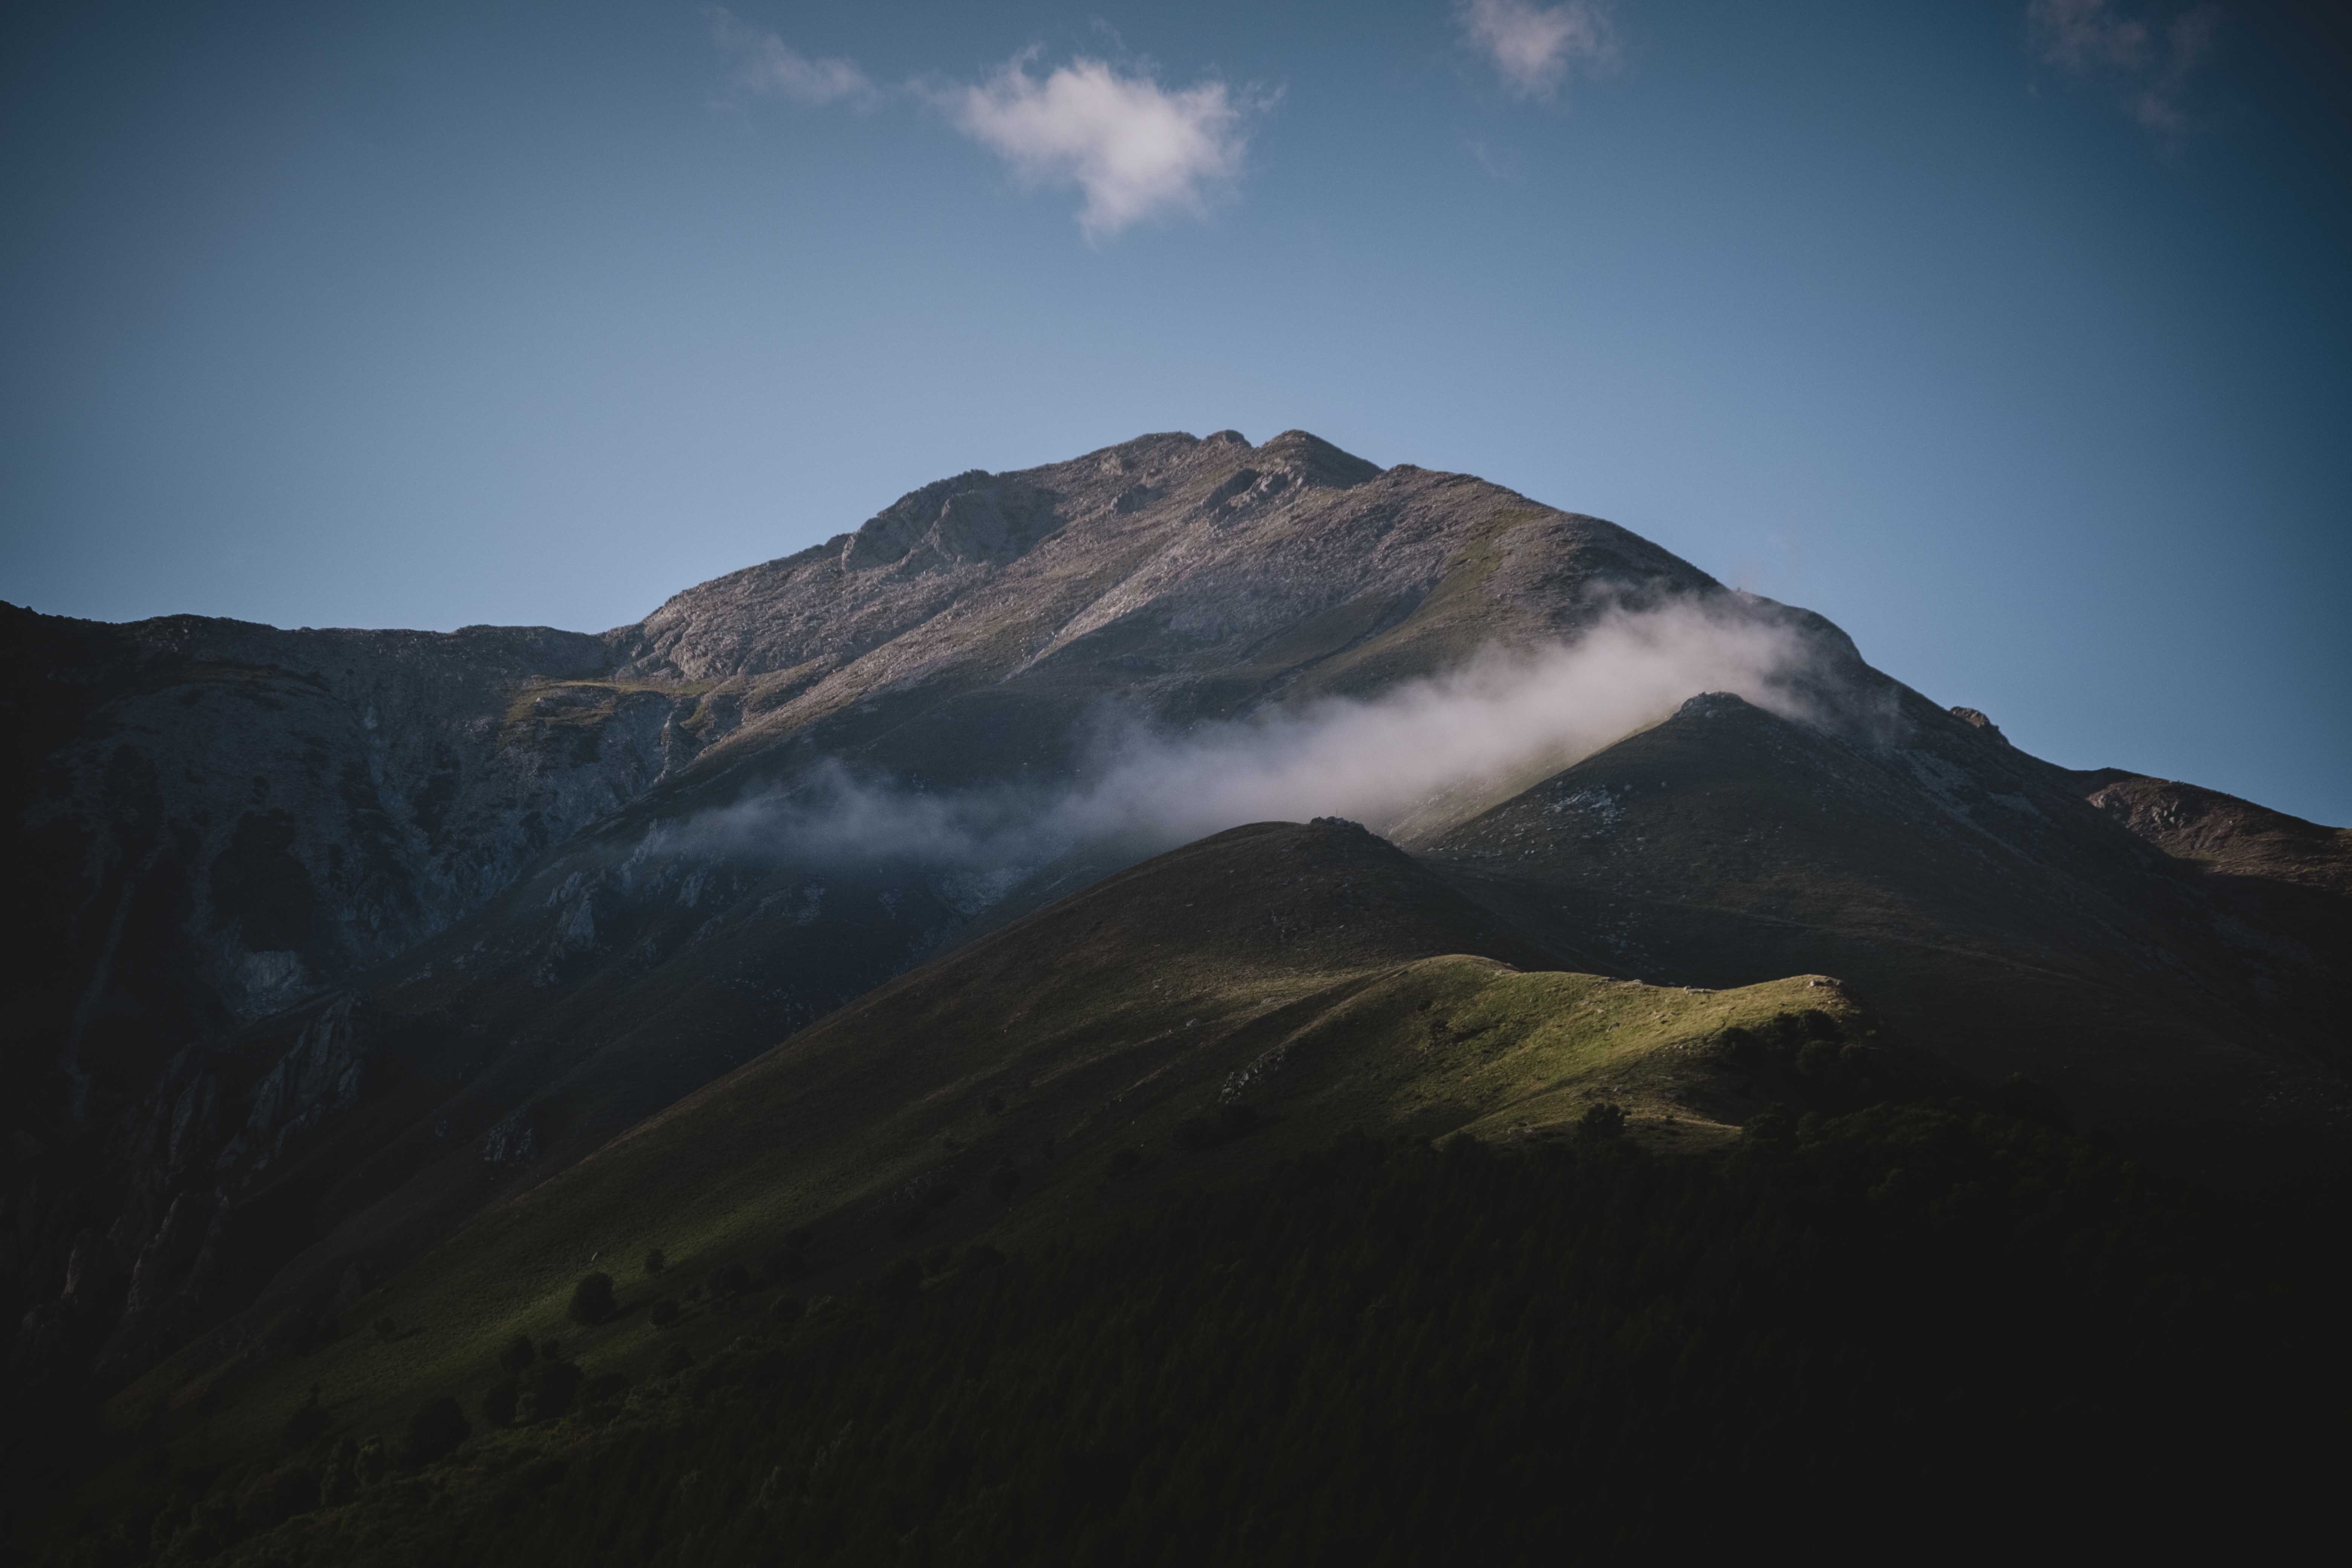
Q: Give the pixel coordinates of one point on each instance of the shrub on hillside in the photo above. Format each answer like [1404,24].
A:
[899,1283]
[276,1496]
[1601,1123]
[730,1279]
[552,1390]
[654,1261]
[2029,1100]
[499,1404]
[520,1354]
[307,1424]
[436,1430]
[1222,1125]
[1005,1181]
[789,1261]
[665,1313]
[592,1300]
[338,1482]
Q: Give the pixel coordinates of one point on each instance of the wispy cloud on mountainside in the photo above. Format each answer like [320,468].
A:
[1380,762]
[1534,47]
[1133,148]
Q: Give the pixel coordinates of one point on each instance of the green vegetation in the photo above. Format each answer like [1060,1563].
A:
[592,1300]
[1036,1088]
[1936,1320]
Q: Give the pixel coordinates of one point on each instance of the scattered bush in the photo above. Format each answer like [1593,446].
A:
[898,1284]
[730,1279]
[385,1328]
[788,1309]
[928,1195]
[1601,1123]
[675,1360]
[520,1354]
[655,1262]
[1005,1181]
[499,1404]
[665,1313]
[1737,1047]
[603,1388]
[436,1430]
[1222,1125]
[272,1498]
[592,1300]
[340,1481]
[552,1390]
[307,1424]
[2029,1100]
[541,1474]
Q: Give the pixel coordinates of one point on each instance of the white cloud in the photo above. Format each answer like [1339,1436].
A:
[1420,754]
[1535,46]
[765,63]
[2151,64]
[1134,148]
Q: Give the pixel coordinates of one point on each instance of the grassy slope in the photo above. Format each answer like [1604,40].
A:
[1329,978]
[2009,933]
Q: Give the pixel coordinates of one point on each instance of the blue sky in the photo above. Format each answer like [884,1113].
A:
[2015,338]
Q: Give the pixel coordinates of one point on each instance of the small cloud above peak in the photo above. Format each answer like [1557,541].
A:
[1134,148]
[1535,47]
[2151,61]
[766,65]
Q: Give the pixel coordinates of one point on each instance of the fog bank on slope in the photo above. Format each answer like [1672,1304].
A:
[1390,761]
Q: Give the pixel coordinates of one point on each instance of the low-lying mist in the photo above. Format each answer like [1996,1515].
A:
[1405,764]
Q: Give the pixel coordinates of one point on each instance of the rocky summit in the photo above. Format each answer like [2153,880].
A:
[335,939]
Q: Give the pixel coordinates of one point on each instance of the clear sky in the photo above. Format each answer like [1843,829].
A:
[2016,338]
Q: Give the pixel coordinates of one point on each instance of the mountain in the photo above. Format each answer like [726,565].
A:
[225,817]
[1201,1017]
[355,936]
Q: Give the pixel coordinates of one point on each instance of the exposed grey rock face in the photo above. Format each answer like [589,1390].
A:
[236,818]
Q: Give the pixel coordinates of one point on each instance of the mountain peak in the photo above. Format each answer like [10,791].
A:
[1318,461]
[1976,720]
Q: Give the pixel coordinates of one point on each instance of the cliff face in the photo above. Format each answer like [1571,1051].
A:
[218,820]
